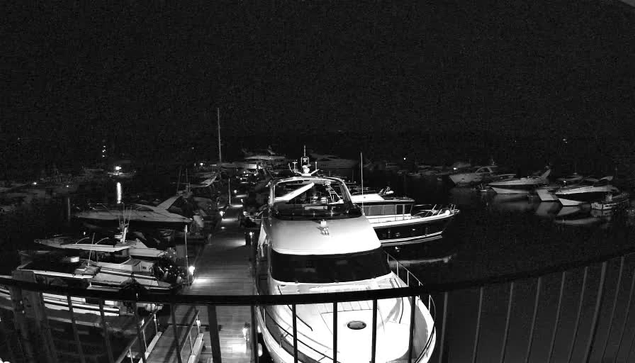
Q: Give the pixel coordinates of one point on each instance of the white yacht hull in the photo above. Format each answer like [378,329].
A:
[350,347]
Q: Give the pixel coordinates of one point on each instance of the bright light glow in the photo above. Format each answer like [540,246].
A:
[239,348]
[198,322]
[404,159]
[117,168]
[259,350]
[143,321]
[222,227]
[222,213]
[191,270]
[235,191]
[202,280]
[35,183]
[251,233]
[119,193]
[200,164]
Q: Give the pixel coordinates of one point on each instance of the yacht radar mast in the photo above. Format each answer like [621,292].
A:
[305,165]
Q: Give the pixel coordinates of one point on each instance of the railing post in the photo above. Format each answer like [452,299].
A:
[254,333]
[213,333]
[596,313]
[557,320]
[413,309]
[628,313]
[617,293]
[104,326]
[443,322]
[373,345]
[176,334]
[295,333]
[80,350]
[478,323]
[335,332]
[140,337]
[509,312]
[577,320]
[533,319]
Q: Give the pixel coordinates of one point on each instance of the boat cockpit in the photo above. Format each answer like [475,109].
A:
[312,197]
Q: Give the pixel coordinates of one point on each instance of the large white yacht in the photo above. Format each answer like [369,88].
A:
[314,239]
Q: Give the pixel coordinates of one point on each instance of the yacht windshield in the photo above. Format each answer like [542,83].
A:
[329,268]
[313,199]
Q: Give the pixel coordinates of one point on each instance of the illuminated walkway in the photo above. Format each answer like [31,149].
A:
[222,268]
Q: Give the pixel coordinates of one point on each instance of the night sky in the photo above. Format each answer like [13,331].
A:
[374,76]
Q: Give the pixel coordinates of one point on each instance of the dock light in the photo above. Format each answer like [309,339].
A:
[259,350]
[191,270]
[222,213]
[34,183]
[117,168]
[245,330]
[198,322]
[142,322]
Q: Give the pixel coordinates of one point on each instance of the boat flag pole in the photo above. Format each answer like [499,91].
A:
[361,176]
[220,158]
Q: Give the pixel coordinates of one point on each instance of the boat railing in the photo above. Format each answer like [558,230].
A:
[429,210]
[413,281]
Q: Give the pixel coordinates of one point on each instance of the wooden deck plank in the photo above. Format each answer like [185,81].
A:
[222,268]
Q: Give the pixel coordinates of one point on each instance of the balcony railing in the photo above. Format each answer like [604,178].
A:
[574,312]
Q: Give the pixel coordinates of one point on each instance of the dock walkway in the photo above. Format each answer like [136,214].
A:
[222,267]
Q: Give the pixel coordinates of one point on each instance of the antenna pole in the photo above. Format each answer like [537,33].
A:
[220,157]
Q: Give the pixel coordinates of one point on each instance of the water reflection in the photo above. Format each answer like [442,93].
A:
[512,203]
[119,193]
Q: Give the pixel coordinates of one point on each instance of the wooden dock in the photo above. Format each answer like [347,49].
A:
[223,267]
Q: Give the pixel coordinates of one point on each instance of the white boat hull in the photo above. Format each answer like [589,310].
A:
[501,190]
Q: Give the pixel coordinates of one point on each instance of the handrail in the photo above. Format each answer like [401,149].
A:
[346,296]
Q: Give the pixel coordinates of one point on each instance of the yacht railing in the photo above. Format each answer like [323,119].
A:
[578,311]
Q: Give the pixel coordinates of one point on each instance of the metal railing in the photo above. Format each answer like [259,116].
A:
[573,312]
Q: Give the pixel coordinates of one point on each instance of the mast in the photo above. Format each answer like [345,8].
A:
[220,157]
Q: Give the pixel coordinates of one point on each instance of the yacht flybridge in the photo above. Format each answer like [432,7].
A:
[314,239]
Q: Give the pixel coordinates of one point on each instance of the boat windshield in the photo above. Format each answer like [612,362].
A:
[313,199]
[329,268]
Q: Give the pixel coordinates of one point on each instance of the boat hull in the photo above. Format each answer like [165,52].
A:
[412,231]
[520,189]
[580,198]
